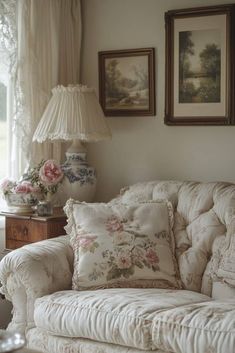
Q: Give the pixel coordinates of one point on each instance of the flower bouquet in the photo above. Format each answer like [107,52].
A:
[47,176]
[20,196]
[38,183]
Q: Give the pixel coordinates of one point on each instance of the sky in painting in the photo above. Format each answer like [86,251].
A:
[126,65]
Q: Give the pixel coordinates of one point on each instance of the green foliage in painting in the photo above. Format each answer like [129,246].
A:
[116,84]
[200,84]
[126,89]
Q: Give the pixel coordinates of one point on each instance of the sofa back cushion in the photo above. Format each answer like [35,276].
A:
[202,212]
[223,263]
[122,245]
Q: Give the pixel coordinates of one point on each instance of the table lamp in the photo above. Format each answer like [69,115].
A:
[74,114]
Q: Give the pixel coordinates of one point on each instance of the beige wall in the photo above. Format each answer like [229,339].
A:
[143,148]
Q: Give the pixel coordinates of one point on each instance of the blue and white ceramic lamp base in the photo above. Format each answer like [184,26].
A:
[79,181]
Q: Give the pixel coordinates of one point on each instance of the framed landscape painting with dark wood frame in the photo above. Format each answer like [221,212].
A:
[127,82]
[200,66]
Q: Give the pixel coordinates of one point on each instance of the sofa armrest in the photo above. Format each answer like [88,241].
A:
[32,272]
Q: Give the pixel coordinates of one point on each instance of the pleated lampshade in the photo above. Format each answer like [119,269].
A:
[73,112]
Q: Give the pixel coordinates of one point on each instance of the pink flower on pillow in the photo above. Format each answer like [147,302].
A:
[151,256]
[86,242]
[138,254]
[114,224]
[123,260]
[50,173]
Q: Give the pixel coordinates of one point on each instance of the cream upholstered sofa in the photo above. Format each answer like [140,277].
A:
[197,319]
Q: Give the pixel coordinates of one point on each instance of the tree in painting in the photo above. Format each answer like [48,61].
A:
[199,67]
[125,91]
[186,49]
[116,84]
[209,90]
[112,75]
[186,89]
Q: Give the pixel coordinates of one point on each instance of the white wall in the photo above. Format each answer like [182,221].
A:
[143,148]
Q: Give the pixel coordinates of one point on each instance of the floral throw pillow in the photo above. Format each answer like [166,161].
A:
[122,245]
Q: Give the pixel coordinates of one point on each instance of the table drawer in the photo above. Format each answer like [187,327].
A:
[23,230]
[27,228]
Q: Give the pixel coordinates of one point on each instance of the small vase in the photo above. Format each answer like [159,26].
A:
[49,197]
[45,208]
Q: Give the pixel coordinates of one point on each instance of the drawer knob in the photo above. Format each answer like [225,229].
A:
[25,232]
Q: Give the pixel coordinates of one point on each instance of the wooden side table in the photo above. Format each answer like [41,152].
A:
[27,228]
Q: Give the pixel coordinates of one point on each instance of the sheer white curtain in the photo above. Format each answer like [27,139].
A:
[49,40]
[8,52]
[40,44]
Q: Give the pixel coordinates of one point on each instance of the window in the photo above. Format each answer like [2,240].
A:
[8,50]
[3,131]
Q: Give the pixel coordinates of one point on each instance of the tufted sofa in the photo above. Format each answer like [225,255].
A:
[198,319]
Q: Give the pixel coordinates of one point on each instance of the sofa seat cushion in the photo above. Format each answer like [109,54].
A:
[45,342]
[117,315]
[202,327]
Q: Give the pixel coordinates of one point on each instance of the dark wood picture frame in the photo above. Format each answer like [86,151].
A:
[211,101]
[127,82]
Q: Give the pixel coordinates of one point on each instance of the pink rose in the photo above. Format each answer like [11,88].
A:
[24,187]
[21,189]
[114,224]
[31,187]
[86,242]
[6,185]
[50,173]
[26,183]
[151,256]
[123,260]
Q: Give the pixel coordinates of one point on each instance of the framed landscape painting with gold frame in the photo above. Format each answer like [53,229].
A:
[127,82]
[200,66]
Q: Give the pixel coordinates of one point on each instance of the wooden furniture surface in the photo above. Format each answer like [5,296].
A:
[23,229]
